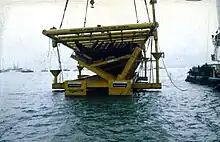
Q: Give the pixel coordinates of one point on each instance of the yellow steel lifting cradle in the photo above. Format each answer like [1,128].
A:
[113,53]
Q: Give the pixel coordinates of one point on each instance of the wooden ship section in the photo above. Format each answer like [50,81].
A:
[113,53]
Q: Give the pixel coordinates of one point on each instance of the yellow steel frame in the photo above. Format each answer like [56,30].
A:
[129,64]
[101,83]
[96,70]
[110,61]
[54,32]
[129,33]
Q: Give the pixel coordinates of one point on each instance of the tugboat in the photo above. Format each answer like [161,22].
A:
[209,74]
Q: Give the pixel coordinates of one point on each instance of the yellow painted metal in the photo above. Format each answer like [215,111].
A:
[126,34]
[120,64]
[58,86]
[129,64]
[129,40]
[106,33]
[89,43]
[157,55]
[96,70]
[121,91]
[96,82]
[55,73]
[54,43]
[98,29]
[100,83]
[157,59]
[80,71]
[152,2]
[147,86]
[100,36]
[110,61]
[75,91]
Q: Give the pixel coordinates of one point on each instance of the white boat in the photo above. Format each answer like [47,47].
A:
[216,36]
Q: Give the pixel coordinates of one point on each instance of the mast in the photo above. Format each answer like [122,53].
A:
[218,12]
[216,37]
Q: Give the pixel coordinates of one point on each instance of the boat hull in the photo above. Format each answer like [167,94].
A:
[27,71]
[210,81]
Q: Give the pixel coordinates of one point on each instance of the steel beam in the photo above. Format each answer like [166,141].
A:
[99,29]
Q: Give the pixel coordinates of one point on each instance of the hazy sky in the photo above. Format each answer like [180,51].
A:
[184,33]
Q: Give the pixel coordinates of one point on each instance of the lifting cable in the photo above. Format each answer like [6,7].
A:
[48,54]
[170,78]
[141,66]
[148,45]
[148,15]
[135,7]
[59,61]
[87,3]
[64,12]
[150,41]
[58,51]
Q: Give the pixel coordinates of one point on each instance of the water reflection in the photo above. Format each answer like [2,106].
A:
[108,118]
[34,113]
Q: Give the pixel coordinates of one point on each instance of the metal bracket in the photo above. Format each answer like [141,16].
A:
[158,55]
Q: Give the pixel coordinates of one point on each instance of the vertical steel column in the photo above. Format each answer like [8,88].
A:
[152,2]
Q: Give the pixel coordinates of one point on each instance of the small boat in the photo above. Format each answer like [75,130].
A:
[44,70]
[27,71]
[3,71]
[17,70]
[66,69]
[208,74]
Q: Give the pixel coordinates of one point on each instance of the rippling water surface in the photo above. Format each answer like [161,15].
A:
[30,111]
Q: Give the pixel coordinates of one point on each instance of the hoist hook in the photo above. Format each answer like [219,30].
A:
[92,3]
